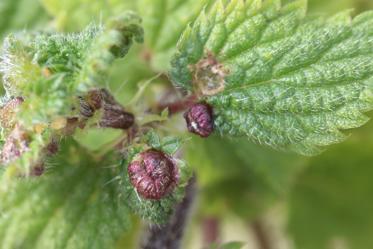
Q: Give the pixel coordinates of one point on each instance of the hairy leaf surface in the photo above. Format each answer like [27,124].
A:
[74,205]
[276,76]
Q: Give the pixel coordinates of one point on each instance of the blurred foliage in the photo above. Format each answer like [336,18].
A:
[333,6]
[229,245]
[330,203]
[164,21]
[240,177]
[73,205]
[20,14]
[72,15]
[95,139]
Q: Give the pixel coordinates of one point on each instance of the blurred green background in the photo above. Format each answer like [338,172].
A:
[266,199]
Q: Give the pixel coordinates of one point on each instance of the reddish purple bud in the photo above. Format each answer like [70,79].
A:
[153,174]
[199,119]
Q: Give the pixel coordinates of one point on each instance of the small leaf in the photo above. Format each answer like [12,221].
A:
[277,77]
[171,145]
[153,139]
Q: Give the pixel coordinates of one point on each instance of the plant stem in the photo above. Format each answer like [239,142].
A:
[261,235]
[211,230]
[178,106]
[170,236]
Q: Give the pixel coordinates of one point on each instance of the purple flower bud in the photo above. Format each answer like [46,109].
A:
[153,174]
[199,119]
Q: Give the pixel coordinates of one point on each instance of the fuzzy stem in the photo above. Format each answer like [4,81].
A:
[178,106]
[170,235]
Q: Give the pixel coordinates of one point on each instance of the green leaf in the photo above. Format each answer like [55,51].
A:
[277,77]
[240,177]
[169,145]
[331,202]
[73,205]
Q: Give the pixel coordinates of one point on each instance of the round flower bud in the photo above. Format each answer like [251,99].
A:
[153,174]
[199,119]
